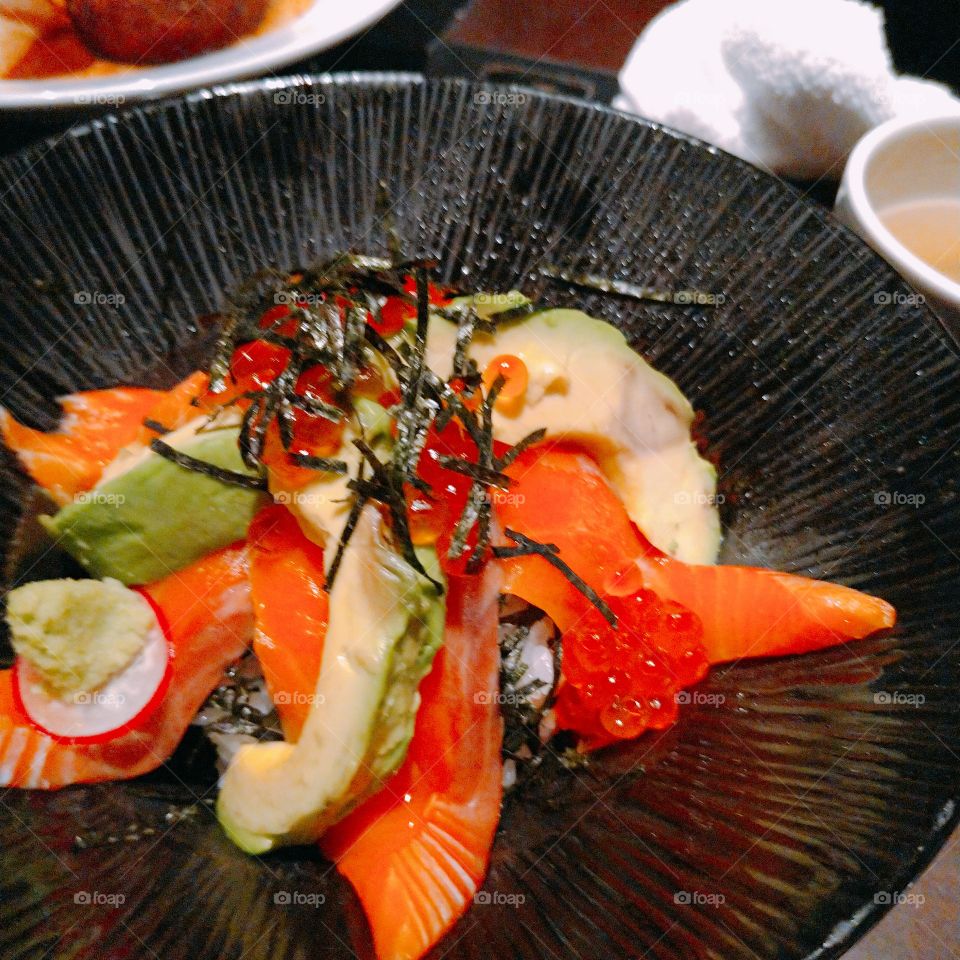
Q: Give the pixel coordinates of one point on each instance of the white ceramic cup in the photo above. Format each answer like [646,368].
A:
[900,162]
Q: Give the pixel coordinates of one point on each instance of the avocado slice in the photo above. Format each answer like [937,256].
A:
[157,517]
[587,385]
[385,625]
[323,505]
[487,305]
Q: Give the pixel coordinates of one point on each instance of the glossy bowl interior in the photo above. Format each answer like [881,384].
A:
[795,797]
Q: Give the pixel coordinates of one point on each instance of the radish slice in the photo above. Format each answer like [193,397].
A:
[121,704]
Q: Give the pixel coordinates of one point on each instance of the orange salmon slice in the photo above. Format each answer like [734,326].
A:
[207,611]
[417,852]
[176,407]
[561,497]
[96,424]
[290,605]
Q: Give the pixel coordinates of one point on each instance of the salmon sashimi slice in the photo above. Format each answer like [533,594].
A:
[176,407]
[750,612]
[96,424]
[417,851]
[208,618]
[291,608]
[561,497]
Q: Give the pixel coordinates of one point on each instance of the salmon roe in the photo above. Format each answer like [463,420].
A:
[273,320]
[619,682]
[437,512]
[515,376]
[396,311]
[313,436]
[433,516]
[254,366]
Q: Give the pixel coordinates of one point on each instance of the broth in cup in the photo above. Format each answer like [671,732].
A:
[901,192]
[929,229]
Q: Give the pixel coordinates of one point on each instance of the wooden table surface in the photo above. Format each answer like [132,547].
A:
[926,925]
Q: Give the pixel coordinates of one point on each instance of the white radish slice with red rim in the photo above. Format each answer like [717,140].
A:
[122,704]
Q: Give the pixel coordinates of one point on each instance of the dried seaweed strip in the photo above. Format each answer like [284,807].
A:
[182,459]
[525,547]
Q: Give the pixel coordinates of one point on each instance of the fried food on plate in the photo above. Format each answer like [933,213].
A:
[155,31]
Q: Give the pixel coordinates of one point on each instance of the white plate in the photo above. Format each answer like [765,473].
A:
[323,25]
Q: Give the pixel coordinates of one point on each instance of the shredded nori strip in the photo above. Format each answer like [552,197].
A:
[632,291]
[492,478]
[387,488]
[156,426]
[469,517]
[355,283]
[290,343]
[488,461]
[467,321]
[419,358]
[316,407]
[386,349]
[384,211]
[201,466]
[488,469]
[535,436]
[477,509]
[525,547]
[251,437]
[356,508]
[220,366]
[513,313]
[326,464]
[285,422]
[253,429]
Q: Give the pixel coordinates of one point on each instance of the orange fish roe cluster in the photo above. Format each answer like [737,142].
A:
[313,436]
[433,514]
[515,381]
[396,311]
[619,682]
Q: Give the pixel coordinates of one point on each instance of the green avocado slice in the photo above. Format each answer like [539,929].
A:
[385,626]
[587,385]
[157,516]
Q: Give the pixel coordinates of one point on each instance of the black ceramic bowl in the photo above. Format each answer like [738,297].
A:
[780,816]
